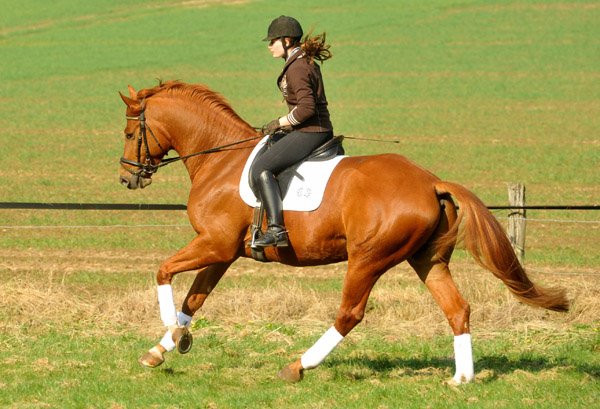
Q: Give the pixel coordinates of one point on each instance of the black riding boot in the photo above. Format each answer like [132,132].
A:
[276,235]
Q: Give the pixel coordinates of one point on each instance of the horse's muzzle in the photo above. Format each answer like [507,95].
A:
[134,181]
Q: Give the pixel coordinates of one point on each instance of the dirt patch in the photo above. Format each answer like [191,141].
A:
[40,288]
[82,260]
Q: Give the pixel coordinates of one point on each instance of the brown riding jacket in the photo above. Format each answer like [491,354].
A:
[301,84]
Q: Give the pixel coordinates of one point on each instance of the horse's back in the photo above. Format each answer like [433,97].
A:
[384,189]
[385,207]
[391,176]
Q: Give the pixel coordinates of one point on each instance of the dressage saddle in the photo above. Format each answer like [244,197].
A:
[328,150]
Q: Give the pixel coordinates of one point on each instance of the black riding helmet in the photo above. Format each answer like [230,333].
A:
[284,26]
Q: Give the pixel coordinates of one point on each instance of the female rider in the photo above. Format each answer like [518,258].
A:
[301,84]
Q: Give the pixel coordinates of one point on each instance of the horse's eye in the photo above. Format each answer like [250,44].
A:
[129,136]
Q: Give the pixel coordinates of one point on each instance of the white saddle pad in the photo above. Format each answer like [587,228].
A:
[303,195]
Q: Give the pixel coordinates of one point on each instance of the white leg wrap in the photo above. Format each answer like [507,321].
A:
[183,319]
[167,340]
[168,312]
[323,347]
[463,355]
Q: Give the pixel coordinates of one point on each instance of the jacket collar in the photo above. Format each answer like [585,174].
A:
[292,53]
[295,54]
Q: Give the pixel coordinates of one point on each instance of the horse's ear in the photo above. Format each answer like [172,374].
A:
[132,92]
[128,101]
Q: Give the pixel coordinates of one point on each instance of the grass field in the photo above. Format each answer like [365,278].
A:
[480,92]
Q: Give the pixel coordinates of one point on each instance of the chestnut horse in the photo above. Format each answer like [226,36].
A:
[378,211]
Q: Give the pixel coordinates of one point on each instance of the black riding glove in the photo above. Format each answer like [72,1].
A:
[271,127]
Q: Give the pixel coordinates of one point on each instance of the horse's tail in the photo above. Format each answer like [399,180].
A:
[485,239]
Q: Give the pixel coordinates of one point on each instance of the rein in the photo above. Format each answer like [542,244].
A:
[148,168]
[370,140]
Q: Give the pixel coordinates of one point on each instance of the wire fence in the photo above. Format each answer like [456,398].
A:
[552,220]
[144,206]
[170,207]
[109,226]
[187,224]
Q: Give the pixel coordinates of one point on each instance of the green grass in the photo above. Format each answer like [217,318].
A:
[480,92]
[76,369]
[78,348]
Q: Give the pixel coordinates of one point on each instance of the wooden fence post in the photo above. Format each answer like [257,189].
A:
[517,219]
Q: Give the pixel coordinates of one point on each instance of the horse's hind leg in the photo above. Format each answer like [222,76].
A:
[178,336]
[356,290]
[431,264]
[436,276]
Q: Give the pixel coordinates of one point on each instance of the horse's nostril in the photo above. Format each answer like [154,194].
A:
[124,182]
[144,182]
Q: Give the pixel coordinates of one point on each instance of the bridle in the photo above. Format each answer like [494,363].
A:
[147,168]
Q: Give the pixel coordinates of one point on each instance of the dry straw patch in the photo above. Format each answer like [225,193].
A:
[37,290]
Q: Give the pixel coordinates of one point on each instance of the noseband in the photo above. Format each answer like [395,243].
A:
[146,168]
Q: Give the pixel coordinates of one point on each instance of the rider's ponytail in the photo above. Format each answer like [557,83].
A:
[314,47]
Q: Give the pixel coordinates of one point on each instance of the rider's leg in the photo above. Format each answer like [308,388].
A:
[290,149]
[270,193]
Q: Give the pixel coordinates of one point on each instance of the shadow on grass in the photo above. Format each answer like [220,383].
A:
[489,367]
[501,365]
[170,371]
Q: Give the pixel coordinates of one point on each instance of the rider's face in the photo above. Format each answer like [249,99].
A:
[276,48]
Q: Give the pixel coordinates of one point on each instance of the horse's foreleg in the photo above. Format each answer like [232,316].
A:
[436,277]
[175,322]
[203,284]
[177,334]
[196,255]
[205,281]
[355,294]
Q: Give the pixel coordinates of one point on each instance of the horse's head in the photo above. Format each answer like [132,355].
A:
[143,151]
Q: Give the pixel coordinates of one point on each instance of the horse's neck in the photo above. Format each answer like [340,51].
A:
[194,128]
[217,165]
[199,134]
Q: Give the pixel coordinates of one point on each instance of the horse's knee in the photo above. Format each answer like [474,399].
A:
[163,276]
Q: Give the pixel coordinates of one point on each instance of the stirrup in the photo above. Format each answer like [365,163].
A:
[272,238]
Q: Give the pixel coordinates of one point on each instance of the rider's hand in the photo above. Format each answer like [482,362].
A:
[271,127]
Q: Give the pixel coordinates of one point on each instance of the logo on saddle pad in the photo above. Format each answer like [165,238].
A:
[304,194]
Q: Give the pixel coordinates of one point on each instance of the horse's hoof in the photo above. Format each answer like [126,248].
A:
[152,358]
[463,380]
[450,382]
[290,374]
[183,340]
